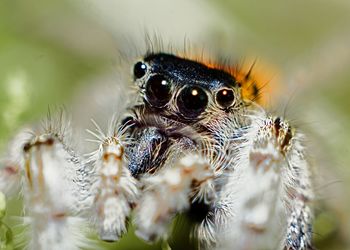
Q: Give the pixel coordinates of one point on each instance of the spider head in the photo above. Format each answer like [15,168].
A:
[181,101]
[184,89]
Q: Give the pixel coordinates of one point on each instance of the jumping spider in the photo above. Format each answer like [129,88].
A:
[195,141]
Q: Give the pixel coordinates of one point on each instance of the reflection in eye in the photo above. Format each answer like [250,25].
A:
[192,101]
[225,98]
[158,91]
[140,69]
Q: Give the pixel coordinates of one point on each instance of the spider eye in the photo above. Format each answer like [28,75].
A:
[225,98]
[158,91]
[140,69]
[192,101]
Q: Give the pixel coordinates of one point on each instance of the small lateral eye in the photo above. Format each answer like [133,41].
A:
[225,98]
[140,69]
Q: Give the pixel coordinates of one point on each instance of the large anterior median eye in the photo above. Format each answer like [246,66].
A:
[225,98]
[192,101]
[158,91]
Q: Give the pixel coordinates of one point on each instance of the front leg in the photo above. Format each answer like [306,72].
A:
[270,189]
[171,191]
[10,164]
[114,190]
[9,178]
[300,195]
[51,191]
[50,176]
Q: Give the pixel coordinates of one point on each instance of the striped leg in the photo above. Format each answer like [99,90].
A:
[51,192]
[268,189]
[114,190]
[171,191]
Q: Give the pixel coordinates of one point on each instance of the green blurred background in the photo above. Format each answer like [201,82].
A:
[60,52]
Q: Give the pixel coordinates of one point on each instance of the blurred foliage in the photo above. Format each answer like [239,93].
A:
[50,49]
[35,70]
[6,236]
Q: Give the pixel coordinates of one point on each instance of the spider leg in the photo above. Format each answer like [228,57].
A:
[9,178]
[299,192]
[50,193]
[10,171]
[270,183]
[50,175]
[115,190]
[171,191]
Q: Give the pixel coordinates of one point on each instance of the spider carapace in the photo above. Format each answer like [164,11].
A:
[181,101]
